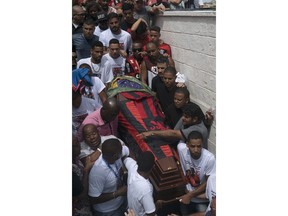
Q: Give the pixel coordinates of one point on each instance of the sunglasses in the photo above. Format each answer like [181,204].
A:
[137,50]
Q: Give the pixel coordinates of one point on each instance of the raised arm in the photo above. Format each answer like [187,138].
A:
[144,73]
[103,95]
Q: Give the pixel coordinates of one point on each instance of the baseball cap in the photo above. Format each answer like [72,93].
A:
[101,16]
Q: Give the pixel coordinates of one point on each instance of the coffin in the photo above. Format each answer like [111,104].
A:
[167,179]
[140,111]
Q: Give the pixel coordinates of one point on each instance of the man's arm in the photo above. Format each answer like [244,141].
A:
[123,53]
[136,24]
[130,212]
[104,197]
[171,61]
[175,2]
[108,74]
[134,28]
[162,133]
[89,162]
[195,193]
[103,95]
[209,117]
[186,199]
[143,72]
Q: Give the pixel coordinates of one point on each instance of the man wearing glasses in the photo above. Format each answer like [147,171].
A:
[78,16]
[133,62]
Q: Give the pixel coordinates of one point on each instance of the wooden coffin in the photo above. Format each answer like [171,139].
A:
[167,179]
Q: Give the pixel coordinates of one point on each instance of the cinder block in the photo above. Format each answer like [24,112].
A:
[201,44]
[200,77]
[204,26]
[212,147]
[202,95]
[212,136]
[195,60]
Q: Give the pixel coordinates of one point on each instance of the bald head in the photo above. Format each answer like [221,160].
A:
[152,50]
[76,9]
[110,110]
[78,14]
[151,44]
[89,127]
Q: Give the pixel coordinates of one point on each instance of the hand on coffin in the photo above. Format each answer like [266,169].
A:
[146,134]
[185,199]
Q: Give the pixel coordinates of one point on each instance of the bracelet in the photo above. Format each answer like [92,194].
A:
[114,195]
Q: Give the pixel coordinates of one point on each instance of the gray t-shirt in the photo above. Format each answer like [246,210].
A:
[198,127]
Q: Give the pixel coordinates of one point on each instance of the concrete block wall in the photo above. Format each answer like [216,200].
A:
[192,37]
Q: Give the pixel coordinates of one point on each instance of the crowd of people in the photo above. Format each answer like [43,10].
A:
[116,38]
[115,5]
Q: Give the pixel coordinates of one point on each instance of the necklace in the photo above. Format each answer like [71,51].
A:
[95,68]
[193,162]
[195,165]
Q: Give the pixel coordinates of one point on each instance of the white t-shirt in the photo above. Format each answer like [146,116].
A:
[97,31]
[140,190]
[205,165]
[86,107]
[86,149]
[117,65]
[102,70]
[103,180]
[211,188]
[98,86]
[124,39]
[151,74]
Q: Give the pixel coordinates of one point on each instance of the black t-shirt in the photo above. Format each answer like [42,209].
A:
[172,115]
[166,96]
[157,84]
[127,26]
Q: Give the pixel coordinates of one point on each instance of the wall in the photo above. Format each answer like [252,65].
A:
[192,37]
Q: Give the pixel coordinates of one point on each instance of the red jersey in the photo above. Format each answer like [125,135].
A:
[165,48]
[132,67]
